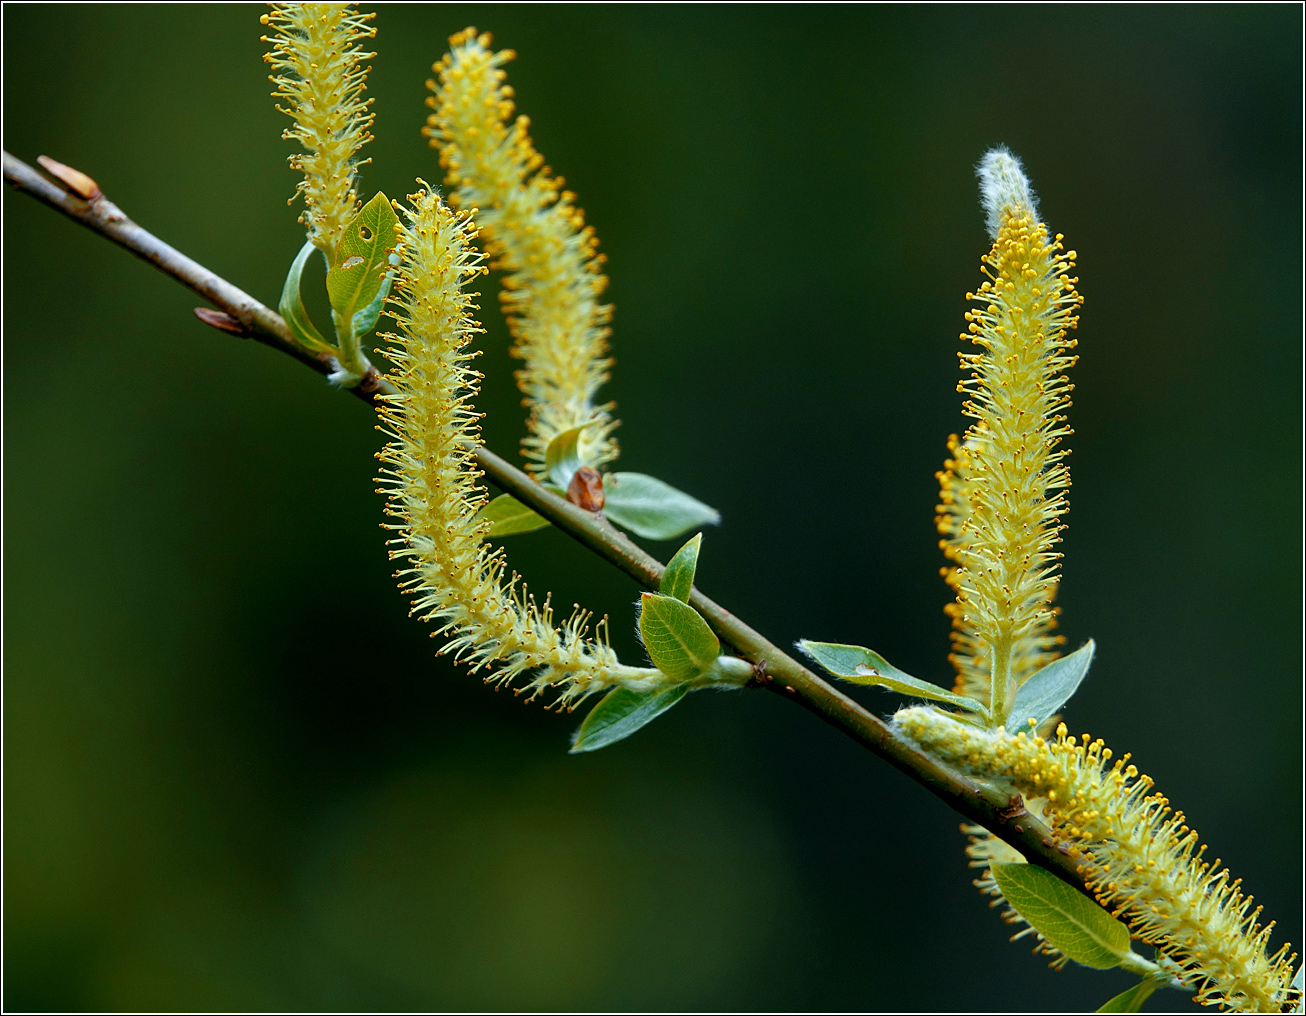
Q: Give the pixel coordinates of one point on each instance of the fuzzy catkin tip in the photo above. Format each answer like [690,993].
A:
[1004,187]
[316,50]
[537,236]
[1137,855]
[430,472]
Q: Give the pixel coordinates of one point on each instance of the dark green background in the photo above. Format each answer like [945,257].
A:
[235,775]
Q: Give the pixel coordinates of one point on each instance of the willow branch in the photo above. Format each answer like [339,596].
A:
[81,200]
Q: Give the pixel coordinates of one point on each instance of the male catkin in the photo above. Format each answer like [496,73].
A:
[535,233]
[430,473]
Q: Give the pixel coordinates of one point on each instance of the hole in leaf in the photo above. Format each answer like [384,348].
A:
[364,233]
[351,262]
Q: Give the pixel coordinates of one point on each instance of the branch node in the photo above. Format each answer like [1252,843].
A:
[1014,808]
[371,380]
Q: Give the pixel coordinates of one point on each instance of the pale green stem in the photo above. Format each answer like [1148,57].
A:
[1135,964]
[352,358]
[1002,682]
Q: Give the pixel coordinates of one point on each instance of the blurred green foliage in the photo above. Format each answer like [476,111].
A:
[236,776]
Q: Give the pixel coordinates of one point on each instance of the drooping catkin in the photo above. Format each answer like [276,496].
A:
[1138,856]
[430,474]
[534,232]
[317,52]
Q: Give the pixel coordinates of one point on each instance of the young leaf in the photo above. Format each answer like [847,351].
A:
[1071,922]
[865,666]
[622,712]
[562,457]
[1132,999]
[355,280]
[653,509]
[510,516]
[292,305]
[679,642]
[678,579]
[365,319]
[1050,688]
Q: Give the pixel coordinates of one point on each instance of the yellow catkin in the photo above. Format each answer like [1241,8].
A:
[1139,857]
[970,657]
[430,471]
[316,50]
[1021,304]
[534,232]
[1002,491]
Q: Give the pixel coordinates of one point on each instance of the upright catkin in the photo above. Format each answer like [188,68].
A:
[1002,491]
[1138,856]
[535,234]
[316,50]
[430,474]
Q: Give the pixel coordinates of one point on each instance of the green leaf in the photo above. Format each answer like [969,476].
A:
[1071,922]
[292,305]
[562,457]
[653,509]
[365,319]
[678,579]
[355,279]
[865,666]
[1132,999]
[622,712]
[1050,688]
[510,516]
[679,642]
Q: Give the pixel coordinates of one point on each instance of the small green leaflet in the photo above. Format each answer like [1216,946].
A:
[679,642]
[678,579]
[510,516]
[1071,922]
[653,509]
[622,712]
[1132,999]
[865,666]
[355,279]
[562,457]
[1050,688]
[292,305]
[365,319]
